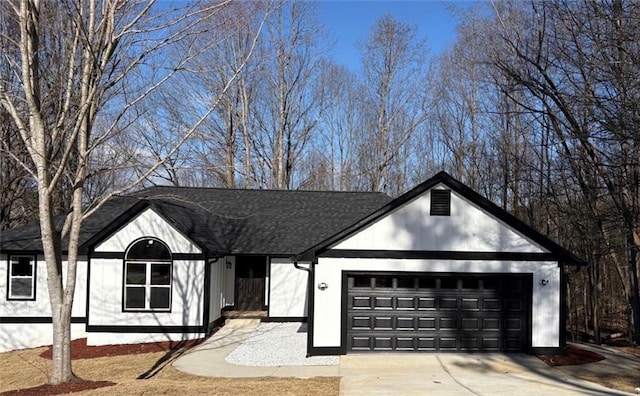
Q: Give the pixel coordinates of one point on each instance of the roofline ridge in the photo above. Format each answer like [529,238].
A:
[136,193]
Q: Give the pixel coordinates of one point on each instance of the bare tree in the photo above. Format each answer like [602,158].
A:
[220,151]
[580,63]
[99,54]
[287,109]
[18,202]
[395,99]
[331,163]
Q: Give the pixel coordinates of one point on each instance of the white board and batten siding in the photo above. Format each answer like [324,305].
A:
[287,289]
[107,282]
[467,229]
[30,335]
[221,288]
[411,228]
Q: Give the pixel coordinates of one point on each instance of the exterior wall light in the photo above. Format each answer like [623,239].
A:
[322,286]
[544,282]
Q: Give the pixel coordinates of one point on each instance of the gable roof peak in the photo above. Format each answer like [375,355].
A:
[463,190]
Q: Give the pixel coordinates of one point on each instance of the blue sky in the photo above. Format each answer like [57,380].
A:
[349,21]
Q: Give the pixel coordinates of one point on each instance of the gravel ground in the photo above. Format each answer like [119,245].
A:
[278,344]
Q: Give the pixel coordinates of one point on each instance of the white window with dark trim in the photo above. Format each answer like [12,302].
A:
[22,277]
[147,276]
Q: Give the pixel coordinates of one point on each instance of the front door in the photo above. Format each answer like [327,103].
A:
[250,282]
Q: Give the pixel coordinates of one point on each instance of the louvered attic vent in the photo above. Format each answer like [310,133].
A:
[440,203]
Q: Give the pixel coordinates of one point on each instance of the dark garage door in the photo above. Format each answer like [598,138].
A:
[437,312]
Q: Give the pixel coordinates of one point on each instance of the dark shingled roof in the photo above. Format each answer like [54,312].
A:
[27,238]
[227,221]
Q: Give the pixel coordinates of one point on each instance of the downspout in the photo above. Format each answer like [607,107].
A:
[309,302]
[295,264]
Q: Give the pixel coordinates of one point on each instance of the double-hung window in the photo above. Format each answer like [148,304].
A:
[22,278]
[147,276]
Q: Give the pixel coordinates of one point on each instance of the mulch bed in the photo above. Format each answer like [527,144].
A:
[574,356]
[68,387]
[80,349]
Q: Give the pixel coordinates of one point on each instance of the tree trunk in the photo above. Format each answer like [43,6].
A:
[633,273]
[594,306]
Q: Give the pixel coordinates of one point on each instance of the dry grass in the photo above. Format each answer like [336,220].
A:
[25,369]
[626,381]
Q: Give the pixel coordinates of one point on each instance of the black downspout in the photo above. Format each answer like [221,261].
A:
[295,264]
[310,306]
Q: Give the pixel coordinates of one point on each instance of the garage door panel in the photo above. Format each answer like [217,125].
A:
[470,343]
[470,304]
[383,303]
[456,313]
[403,323]
[448,303]
[470,324]
[382,343]
[513,344]
[426,303]
[490,323]
[360,302]
[513,305]
[491,304]
[447,343]
[426,344]
[405,303]
[383,323]
[490,343]
[360,343]
[513,324]
[405,344]
[427,323]
[361,323]
[448,323]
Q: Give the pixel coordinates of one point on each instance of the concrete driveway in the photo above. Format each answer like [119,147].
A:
[458,374]
[413,373]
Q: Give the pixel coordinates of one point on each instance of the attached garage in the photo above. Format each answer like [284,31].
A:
[431,312]
[437,269]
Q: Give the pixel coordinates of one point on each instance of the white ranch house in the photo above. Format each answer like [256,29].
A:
[439,268]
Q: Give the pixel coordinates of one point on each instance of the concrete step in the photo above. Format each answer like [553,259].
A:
[242,322]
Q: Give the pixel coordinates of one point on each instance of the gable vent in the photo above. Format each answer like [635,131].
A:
[440,203]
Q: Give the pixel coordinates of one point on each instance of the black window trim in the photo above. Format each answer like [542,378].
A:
[34,276]
[148,263]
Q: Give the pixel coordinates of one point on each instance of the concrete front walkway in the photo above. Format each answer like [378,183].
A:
[412,373]
[207,359]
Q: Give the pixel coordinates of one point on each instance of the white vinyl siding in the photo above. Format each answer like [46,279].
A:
[37,334]
[288,289]
[468,228]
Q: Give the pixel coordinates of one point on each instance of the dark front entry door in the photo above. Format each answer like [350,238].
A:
[250,282]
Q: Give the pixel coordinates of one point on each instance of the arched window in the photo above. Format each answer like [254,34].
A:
[147,276]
